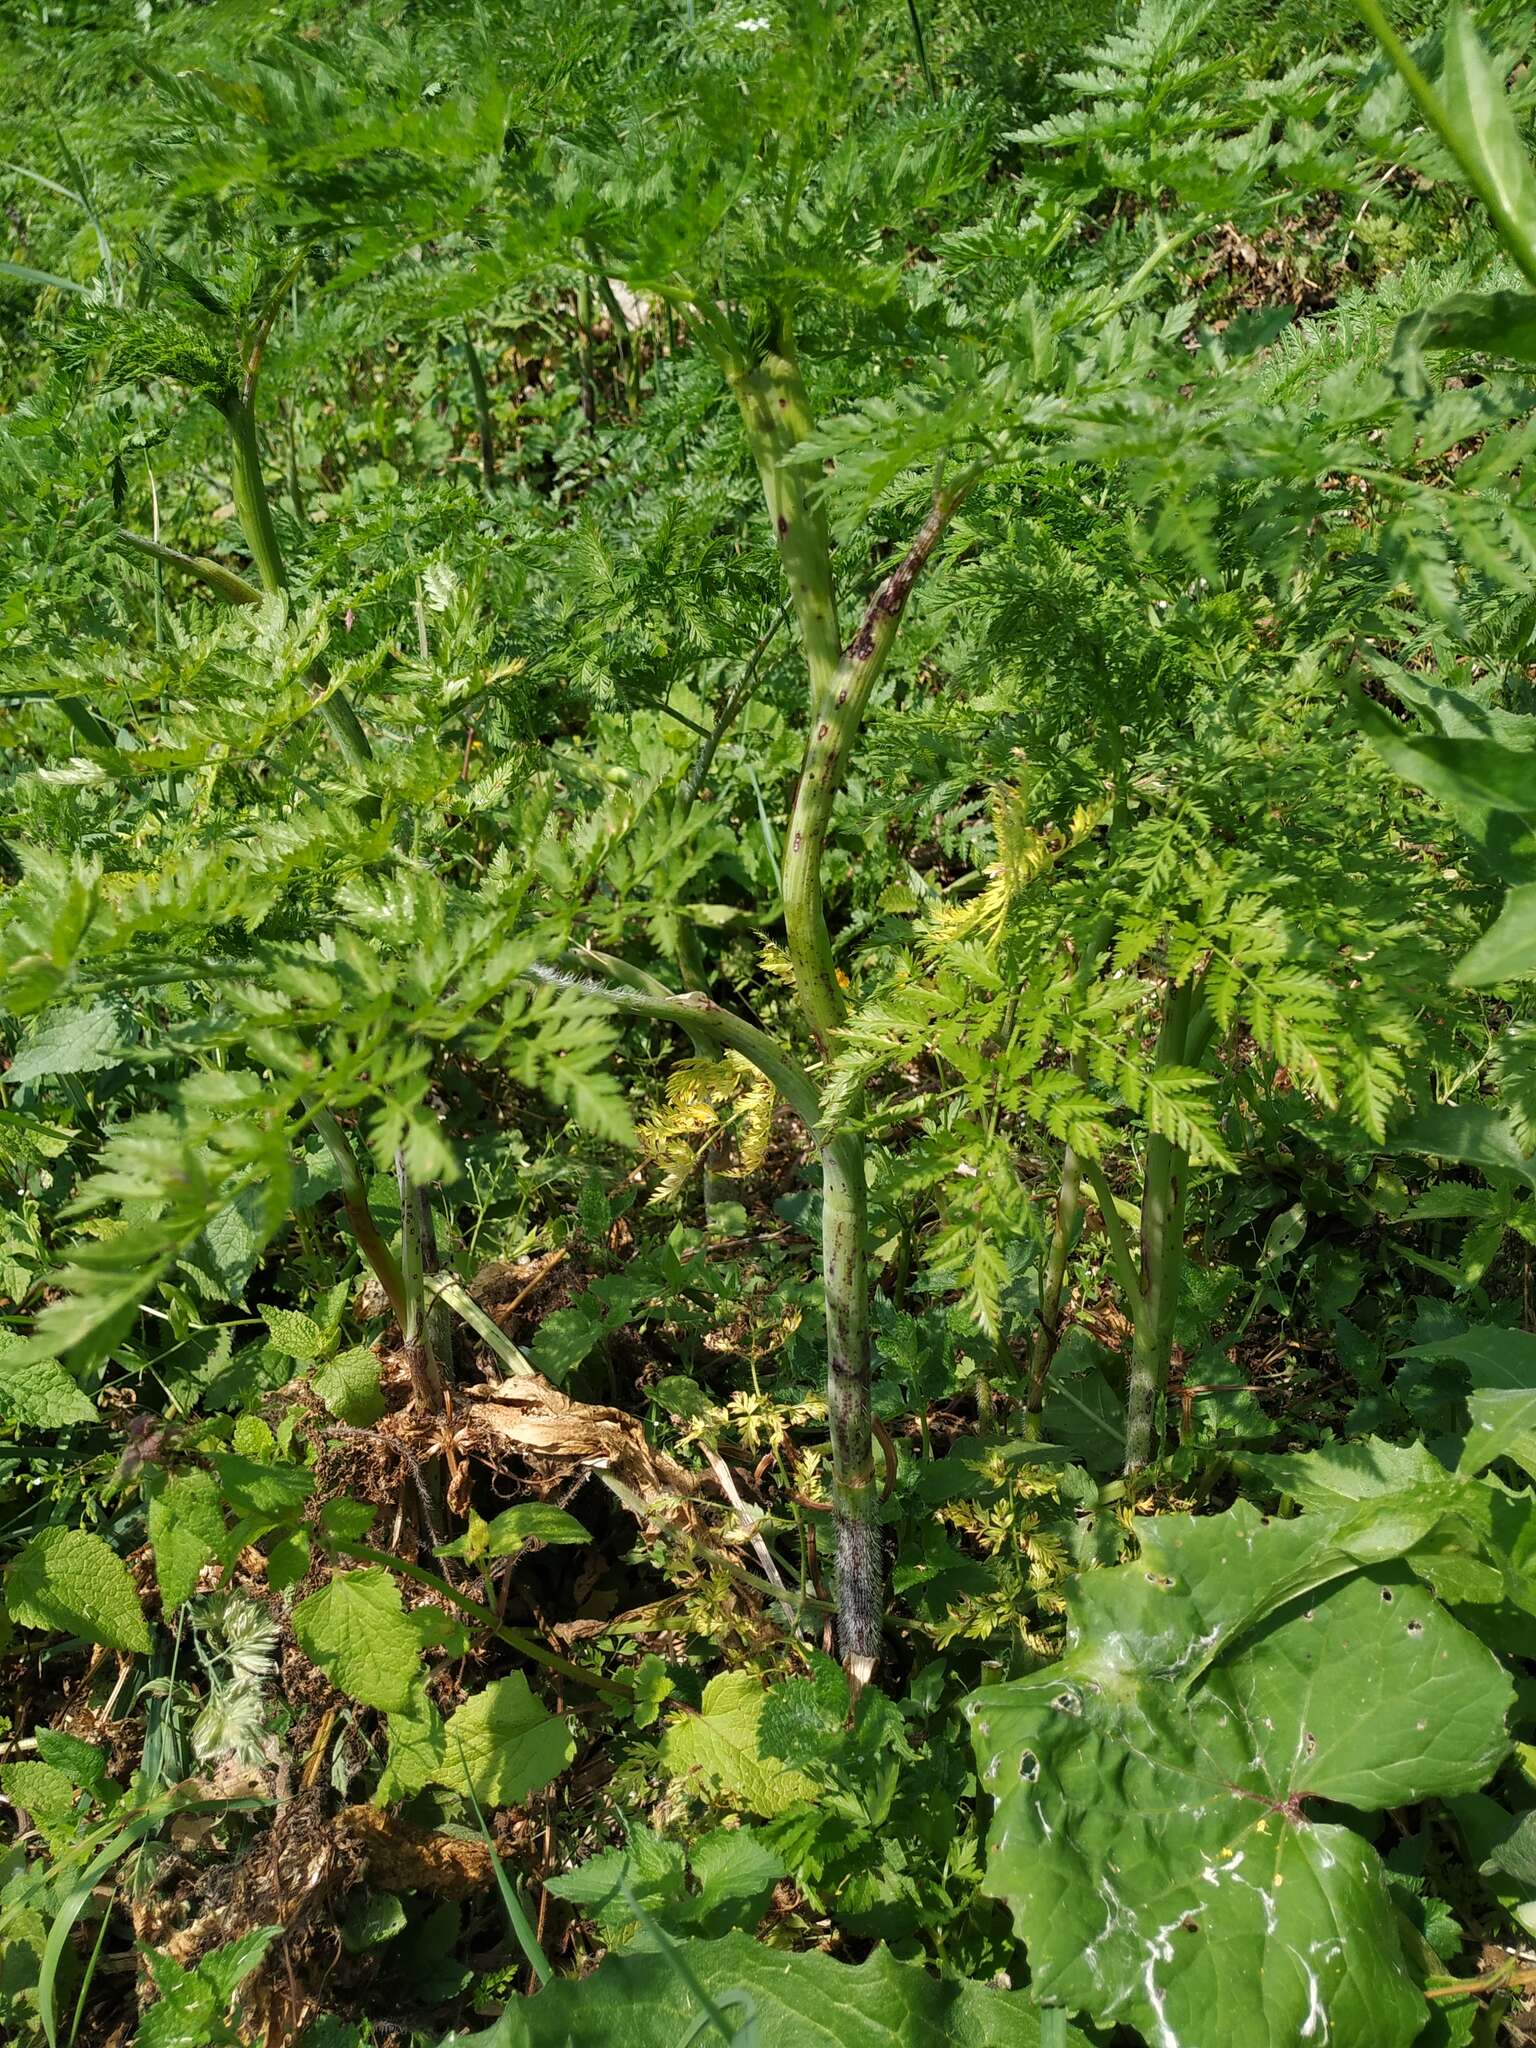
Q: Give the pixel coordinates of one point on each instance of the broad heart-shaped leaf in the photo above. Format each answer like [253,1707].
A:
[357,1632]
[716,1749]
[640,1999]
[502,1744]
[71,1580]
[1151,1833]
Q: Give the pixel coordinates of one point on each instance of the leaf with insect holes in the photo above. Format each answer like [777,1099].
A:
[773,1998]
[1151,1832]
[72,1581]
[502,1744]
[357,1632]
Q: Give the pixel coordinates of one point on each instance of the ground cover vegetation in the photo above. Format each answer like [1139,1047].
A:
[767,1074]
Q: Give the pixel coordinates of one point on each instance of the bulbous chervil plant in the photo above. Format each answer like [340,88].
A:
[767,1115]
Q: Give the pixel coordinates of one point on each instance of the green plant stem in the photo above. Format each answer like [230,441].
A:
[1162,1212]
[922,48]
[354,1199]
[776,413]
[1069,1205]
[450,1290]
[483,421]
[855,1499]
[730,711]
[295,488]
[251,502]
[230,586]
[584,344]
[698,1013]
[516,1638]
[836,715]
[255,511]
[93,730]
[623,333]
[421,1329]
[777,417]
[720,1190]
[845,1279]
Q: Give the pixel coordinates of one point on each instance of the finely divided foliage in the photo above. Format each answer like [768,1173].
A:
[766,898]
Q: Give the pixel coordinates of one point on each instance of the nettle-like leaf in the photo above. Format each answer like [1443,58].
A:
[1152,1833]
[186,1531]
[192,2005]
[38,1391]
[74,1581]
[771,1999]
[348,1384]
[358,1633]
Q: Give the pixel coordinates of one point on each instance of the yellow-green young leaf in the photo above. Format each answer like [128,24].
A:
[295,1335]
[501,1744]
[70,1581]
[186,1531]
[715,1750]
[357,1632]
[348,1384]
